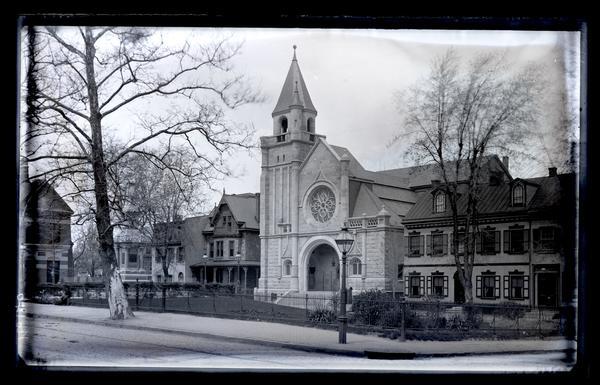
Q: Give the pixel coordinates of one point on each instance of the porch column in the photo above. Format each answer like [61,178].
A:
[214,274]
[245,276]
[229,275]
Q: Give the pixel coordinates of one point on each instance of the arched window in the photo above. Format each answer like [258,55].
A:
[310,125]
[356,267]
[517,195]
[180,277]
[440,202]
[287,267]
[284,125]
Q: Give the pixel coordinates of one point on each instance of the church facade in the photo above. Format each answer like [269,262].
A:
[308,190]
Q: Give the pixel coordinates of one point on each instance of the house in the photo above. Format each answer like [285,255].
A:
[524,249]
[232,242]
[46,248]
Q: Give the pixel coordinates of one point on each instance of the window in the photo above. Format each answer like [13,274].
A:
[229,222]
[461,243]
[283,157]
[415,245]
[52,271]
[180,254]
[219,249]
[170,254]
[284,125]
[287,267]
[231,249]
[132,257]
[488,286]
[414,285]
[437,285]
[516,241]
[356,267]
[545,239]
[437,243]
[211,250]
[517,195]
[516,286]
[322,204]
[440,202]
[310,125]
[488,242]
[180,277]
[225,218]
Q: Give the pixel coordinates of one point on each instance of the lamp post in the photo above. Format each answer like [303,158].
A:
[205,258]
[238,256]
[344,243]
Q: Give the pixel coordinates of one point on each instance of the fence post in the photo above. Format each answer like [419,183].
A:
[540,322]
[137,294]
[402,321]
[84,294]
[188,300]
[164,297]
[214,302]
[241,304]
[306,305]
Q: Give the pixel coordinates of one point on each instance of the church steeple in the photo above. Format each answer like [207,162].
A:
[294,85]
[294,112]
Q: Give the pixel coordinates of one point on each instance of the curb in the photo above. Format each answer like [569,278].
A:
[370,354]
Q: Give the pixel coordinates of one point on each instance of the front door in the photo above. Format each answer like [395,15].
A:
[547,289]
[459,291]
[323,269]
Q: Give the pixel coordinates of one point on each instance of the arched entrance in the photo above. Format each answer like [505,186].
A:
[323,269]
[459,291]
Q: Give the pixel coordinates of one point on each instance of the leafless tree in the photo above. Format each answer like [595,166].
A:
[455,117]
[85,254]
[107,95]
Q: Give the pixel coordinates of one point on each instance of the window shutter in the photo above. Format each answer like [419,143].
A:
[406,288]
[445,240]
[421,285]
[497,286]
[526,287]
[429,285]
[478,243]
[506,241]
[536,239]
[478,286]
[497,241]
[422,248]
[506,287]
[406,244]
[526,240]
[445,285]
[429,243]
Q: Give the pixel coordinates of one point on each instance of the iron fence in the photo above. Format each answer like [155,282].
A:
[369,312]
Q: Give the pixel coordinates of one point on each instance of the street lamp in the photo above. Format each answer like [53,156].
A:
[238,256]
[205,259]
[344,243]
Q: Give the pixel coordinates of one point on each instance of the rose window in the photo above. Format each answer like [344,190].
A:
[322,204]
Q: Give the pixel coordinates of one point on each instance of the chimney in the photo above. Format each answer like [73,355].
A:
[552,171]
[505,162]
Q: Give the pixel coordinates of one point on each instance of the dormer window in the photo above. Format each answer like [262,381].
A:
[439,202]
[284,125]
[518,196]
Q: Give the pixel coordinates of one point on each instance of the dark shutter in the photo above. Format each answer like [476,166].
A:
[421,286]
[478,286]
[429,283]
[536,239]
[497,241]
[506,287]
[506,241]
[429,244]
[407,243]
[422,246]
[445,285]
[526,240]
[478,243]
[526,287]
[497,286]
[445,240]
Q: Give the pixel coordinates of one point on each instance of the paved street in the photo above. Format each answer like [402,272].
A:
[63,343]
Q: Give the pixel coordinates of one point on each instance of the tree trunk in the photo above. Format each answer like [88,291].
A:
[115,292]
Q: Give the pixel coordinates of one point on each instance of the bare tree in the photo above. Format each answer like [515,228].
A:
[85,254]
[107,95]
[454,118]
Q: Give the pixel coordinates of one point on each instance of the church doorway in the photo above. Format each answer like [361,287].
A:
[323,269]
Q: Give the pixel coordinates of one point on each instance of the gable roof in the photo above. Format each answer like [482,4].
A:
[294,91]
[41,196]
[244,208]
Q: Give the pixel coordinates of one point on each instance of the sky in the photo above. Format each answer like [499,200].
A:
[353,76]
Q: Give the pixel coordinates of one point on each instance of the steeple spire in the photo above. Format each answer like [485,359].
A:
[294,91]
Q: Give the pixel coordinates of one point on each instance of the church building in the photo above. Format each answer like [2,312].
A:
[308,189]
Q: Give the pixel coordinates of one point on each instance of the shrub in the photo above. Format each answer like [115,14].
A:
[322,316]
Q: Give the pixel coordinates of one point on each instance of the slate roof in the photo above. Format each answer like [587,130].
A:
[244,208]
[45,197]
[543,193]
[294,81]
